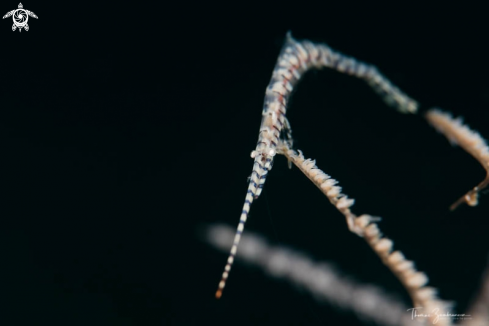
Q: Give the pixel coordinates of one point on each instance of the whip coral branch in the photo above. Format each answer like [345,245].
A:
[321,279]
[275,137]
[296,57]
[460,134]
[365,226]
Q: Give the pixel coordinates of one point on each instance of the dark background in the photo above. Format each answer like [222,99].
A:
[125,128]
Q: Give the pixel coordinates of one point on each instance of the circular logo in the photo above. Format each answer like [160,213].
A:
[20,17]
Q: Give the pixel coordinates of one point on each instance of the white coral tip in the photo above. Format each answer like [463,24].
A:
[396,257]
[383,246]
[417,280]
[344,202]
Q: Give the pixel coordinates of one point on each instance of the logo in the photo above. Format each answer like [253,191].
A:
[20,17]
